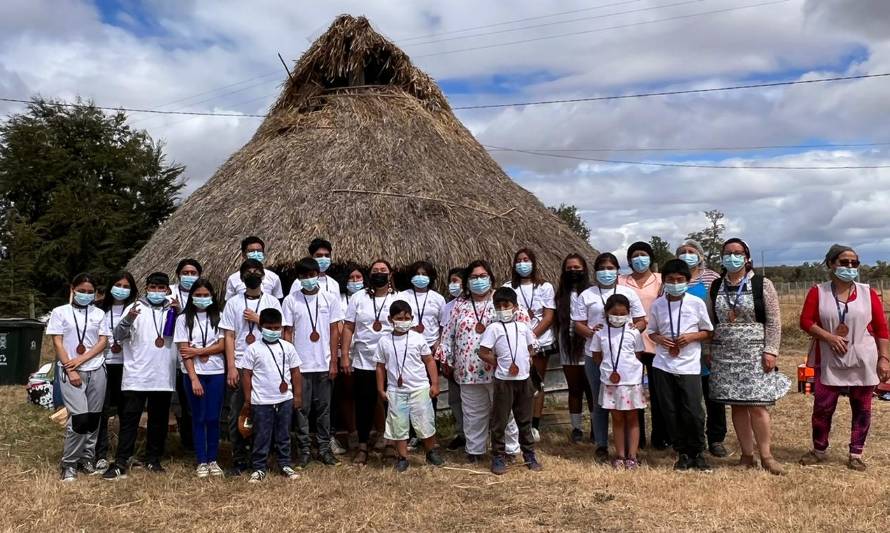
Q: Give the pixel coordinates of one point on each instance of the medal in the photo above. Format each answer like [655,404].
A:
[395,353]
[282,387]
[614,358]
[159,342]
[480,327]
[399,381]
[842,330]
[615,378]
[377,326]
[422,309]
[514,370]
[419,328]
[81,349]
[251,338]
[204,358]
[675,351]
[314,336]
[732,316]
[116,348]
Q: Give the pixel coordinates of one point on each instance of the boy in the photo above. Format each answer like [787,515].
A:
[312,319]
[320,250]
[254,248]
[148,376]
[272,391]
[408,380]
[509,345]
[240,321]
[678,325]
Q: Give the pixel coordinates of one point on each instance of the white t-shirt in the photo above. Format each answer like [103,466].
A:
[270,364]
[589,306]
[146,366]
[391,352]
[325,283]
[430,303]
[176,291]
[233,320]
[445,312]
[271,285]
[203,334]
[113,318]
[693,318]
[506,340]
[535,299]
[76,323]
[300,312]
[361,312]
[629,367]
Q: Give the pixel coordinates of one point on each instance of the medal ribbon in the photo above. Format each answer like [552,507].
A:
[272,353]
[417,304]
[86,314]
[203,330]
[395,352]
[510,348]
[154,318]
[738,293]
[842,314]
[376,311]
[475,312]
[311,320]
[529,302]
[612,357]
[671,318]
[257,310]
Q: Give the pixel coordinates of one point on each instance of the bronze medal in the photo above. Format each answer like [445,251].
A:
[419,328]
[81,349]
[675,351]
[251,338]
[282,387]
[204,358]
[480,327]
[732,316]
[314,336]
[615,378]
[842,330]
[377,326]
[159,342]
[399,381]
[116,348]
[514,370]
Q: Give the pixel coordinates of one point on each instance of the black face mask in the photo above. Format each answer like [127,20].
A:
[378,279]
[574,276]
[253,281]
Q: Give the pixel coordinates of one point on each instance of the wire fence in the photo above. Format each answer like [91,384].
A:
[794,293]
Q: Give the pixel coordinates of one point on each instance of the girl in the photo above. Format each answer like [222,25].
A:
[617,349]
[366,323]
[343,423]
[426,304]
[202,349]
[536,295]
[187,272]
[79,336]
[573,280]
[120,293]
[455,288]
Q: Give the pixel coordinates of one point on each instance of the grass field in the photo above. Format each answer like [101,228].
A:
[571,494]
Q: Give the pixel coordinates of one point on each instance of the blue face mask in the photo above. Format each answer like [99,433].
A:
[640,263]
[454,289]
[271,335]
[480,285]
[120,293]
[733,262]
[257,256]
[156,297]
[524,268]
[202,302]
[420,281]
[84,299]
[187,281]
[355,286]
[323,263]
[309,284]
[690,259]
[606,277]
[847,274]
[676,289]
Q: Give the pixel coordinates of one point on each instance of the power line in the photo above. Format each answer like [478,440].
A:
[135,110]
[689,165]
[705,148]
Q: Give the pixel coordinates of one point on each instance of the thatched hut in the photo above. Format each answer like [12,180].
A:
[363,149]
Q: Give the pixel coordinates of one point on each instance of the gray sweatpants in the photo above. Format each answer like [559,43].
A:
[84,405]
[316,400]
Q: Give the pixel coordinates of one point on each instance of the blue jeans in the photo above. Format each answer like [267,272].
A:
[600,422]
[205,414]
[271,427]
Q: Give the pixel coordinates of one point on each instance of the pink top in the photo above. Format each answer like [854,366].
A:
[648,291]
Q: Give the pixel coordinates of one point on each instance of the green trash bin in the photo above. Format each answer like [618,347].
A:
[20,343]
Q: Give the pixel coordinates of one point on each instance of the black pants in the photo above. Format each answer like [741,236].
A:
[158,406]
[364,387]
[680,397]
[113,404]
[659,433]
[516,397]
[184,420]
[716,421]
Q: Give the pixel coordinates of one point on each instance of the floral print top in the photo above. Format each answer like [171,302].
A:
[459,347]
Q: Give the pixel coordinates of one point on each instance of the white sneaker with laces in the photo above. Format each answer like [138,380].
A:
[290,473]
[257,477]
[203,470]
[536,435]
[102,465]
[215,469]
[337,448]
[69,474]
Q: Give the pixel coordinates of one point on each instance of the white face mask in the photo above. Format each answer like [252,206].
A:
[401,326]
[617,321]
[504,315]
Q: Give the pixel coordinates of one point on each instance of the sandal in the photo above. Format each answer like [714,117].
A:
[361,457]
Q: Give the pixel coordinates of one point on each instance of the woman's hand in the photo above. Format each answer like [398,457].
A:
[197,389]
[883,369]
[769,362]
[837,343]
[434,391]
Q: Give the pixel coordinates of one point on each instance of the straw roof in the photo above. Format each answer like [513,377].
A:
[361,148]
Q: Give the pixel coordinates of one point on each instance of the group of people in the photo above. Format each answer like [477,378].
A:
[325,362]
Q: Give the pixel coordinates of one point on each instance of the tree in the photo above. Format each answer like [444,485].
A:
[569,215]
[661,250]
[80,191]
[711,238]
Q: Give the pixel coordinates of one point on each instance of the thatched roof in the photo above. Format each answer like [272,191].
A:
[363,149]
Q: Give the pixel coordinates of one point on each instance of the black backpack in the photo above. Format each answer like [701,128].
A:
[757,289]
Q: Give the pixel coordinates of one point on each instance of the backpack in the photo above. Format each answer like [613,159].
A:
[756,289]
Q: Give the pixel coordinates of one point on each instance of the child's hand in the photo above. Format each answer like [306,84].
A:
[245,410]
[251,316]
[74,378]
[684,340]
[174,303]
[383,396]
[298,402]
[597,327]
[197,388]
[134,312]
[233,378]
[666,342]
[188,352]
[434,391]
[72,364]
[447,371]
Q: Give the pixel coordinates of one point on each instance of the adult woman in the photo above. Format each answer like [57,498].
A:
[589,317]
[573,280]
[366,323]
[744,309]
[646,282]
[459,351]
[536,295]
[850,351]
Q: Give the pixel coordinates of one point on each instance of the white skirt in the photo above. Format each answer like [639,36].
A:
[621,397]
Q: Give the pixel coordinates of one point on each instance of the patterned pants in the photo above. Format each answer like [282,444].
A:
[823,411]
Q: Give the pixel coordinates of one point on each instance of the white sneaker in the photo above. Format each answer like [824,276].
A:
[69,474]
[257,476]
[102,465]
[215,469]
[536,435]
[337,448]
[203,470]
[289,473]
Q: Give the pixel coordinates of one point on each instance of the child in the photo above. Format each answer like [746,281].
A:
[320,250]
[187,272]
[149,376]
[240,322]
[404,360]
[678,325]
[272,390]
[509,345]
[201,347]
[312,319]
[455,288]
[79,335]
[254,248]
[621,374]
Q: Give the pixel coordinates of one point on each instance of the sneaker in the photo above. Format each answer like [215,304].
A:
[602,454]
[536,435]
[498,465]
[700,463]
[474,459]
[257,476]
[413,443]
[114,473]
[102,465]
[203,470]
[328,459]
[717,449]
[457,443]
[214,469]
[433,458]
[618,463]
[532,462]
[576,436]
[68,475]
[812,458]
[288,472]
[155,468]
[303,461]
[88,468]
[401,464]
[631,464]
[856,463]
[336,447]
[683,462]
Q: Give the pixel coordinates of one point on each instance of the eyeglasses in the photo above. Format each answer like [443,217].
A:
[849,263]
